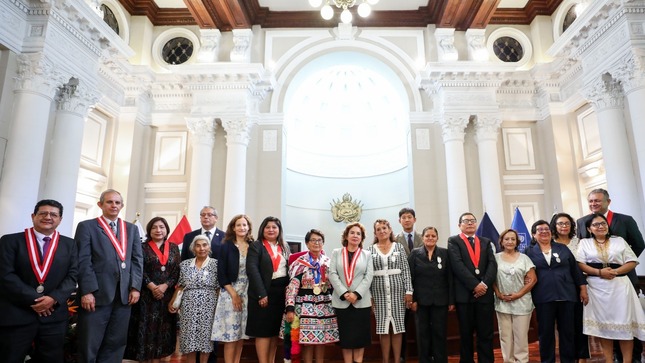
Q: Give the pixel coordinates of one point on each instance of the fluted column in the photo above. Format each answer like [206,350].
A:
[453,127]
[202,130]
[487,128]
[632,77]
[36,85]
[607,98]
[237,141]
[65,155]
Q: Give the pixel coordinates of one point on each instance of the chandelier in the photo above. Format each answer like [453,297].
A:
[327,12]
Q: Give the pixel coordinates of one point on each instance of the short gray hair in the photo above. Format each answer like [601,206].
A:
[199,237]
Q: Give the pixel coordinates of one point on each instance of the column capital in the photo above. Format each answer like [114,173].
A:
[630,71]
[446,44]
[487,127]
[210,40]
[202,129]
[38,73]
[604,92]
[237,130]
[453,126]
[76,98]
[476,39]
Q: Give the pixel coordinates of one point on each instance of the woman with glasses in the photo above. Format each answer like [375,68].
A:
[513,302]
[563,229]
[613,312]
[309,299]
[555,293]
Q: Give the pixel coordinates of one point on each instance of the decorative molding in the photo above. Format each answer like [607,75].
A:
[210,41]
[445,38]
[518,148]
[525,179]
[487,127]
[241,51]
[76,98]
[167,187]
[165,201]
[422,138]
[170,153]
[477,50]
[270,140]
[524,192]
[39,74]
[589,134]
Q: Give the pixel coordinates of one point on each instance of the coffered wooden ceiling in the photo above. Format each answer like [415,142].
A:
[242,14]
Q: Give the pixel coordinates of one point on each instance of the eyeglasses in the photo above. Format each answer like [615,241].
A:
[468,221]
[563,224]
[207,215]
[316,241]
[44,214]
[599,224]
[543,230]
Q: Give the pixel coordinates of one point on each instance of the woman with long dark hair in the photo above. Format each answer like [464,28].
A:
[266,266]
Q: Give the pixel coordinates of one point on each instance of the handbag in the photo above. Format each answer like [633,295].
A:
[175,302]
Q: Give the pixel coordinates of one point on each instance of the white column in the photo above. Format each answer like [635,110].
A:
[632,77]
[607,98]
[487,128]
[237,141]
[202,130]
[36,84]
[453,127]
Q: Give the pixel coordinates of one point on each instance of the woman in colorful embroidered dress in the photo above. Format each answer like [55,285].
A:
[309,298]
[266,267]
[350,273]
[613,312]
[391,289]
[231,312]
[198,278]
[513,302]
[152,334]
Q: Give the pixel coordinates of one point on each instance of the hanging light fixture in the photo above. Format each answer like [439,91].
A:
[327,12]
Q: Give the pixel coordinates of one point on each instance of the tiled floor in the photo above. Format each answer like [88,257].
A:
[596,355]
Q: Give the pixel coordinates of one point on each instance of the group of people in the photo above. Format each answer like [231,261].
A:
[227,286]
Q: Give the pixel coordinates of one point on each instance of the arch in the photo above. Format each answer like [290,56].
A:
[121,17]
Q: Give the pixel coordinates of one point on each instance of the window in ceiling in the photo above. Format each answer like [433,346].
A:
[508,49]
[110,18]
[177,50]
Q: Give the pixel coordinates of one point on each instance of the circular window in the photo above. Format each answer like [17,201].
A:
[177,50]
[571,16]
[508,49]
[110,18]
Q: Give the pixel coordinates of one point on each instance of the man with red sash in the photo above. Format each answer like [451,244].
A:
[622,225]
[110,265]
[38,271]
[474,268]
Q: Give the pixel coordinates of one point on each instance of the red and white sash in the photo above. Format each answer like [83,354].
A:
[349,267]
[121,245]
[40,267]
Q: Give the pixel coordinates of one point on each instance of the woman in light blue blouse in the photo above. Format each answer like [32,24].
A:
[513,298]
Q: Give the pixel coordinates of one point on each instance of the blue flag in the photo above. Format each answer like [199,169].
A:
[487,229]
[523,232]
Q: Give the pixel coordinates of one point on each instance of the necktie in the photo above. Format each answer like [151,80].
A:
[113,226]
[208,234]
[472,242]
[47,241]
[410,243]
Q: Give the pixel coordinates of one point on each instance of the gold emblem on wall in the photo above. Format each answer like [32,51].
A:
[346,210]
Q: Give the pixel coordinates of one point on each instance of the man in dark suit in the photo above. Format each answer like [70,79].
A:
[38,271]
[621,225]
[110,265]
[208,219]
[409,238]
[473,265]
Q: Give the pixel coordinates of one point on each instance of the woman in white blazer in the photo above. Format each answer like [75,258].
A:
[350,274]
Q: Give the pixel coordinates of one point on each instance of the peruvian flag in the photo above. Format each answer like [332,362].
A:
[177,236]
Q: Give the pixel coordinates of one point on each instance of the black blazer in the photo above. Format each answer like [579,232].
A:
[464,270]
[432,285]
[622,225]
[558,281]
[216,243]
[259,269]
[18,283]
[228,264]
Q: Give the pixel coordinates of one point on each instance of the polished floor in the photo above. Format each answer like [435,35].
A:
[248,355]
